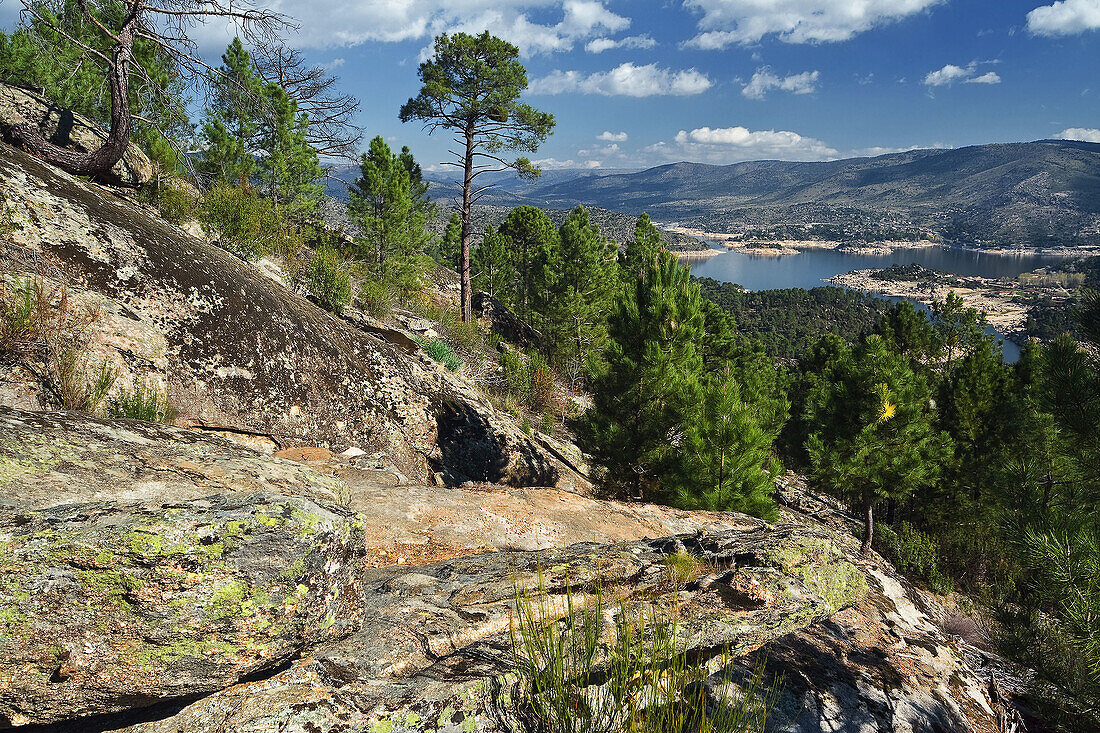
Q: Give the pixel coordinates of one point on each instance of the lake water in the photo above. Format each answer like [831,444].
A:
[811,268]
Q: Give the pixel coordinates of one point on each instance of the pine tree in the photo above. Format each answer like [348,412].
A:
[646,395]
[232,121]
[535,251]
[870,418]
[288,169]
[471,87]
[381,205]
[492,264]
[450,245]
[584,289]
[730,462]
[640,250]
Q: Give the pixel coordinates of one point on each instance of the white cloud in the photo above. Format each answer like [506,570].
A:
[764,80]
[599,45]
[734,144]
[334,64]
[1086,134]
[334,23]
[613,137]
[604,151]
[990,77]
[555,164]
[726,22]
[951,73]
[628,80]
[1064,18]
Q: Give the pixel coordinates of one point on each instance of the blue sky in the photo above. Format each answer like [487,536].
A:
[635,83]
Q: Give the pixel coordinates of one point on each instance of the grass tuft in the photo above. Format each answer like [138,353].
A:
[583,674]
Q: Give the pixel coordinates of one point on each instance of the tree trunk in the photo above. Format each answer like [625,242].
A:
[868,524]
[101,161]
[467,207]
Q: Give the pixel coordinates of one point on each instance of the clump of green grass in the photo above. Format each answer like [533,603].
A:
[439,351]
[576,680]
[683,567]
[144,402]
[80,387]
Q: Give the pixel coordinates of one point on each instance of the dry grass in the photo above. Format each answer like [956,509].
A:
[44,330]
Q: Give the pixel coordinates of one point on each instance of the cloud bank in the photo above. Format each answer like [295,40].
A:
[1085,134]
[726,22]
[765,80]
[968,74]
[599,45]
[736,144]
[333,23]
[625,80]
[1064,18]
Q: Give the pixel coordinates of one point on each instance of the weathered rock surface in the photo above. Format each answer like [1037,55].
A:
[63,127]
[107,607]
[247,356]
[196,598]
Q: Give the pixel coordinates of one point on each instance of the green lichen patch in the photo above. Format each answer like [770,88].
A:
[820,566]
[154,588]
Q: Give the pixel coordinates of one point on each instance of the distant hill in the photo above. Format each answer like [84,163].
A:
[1038,194]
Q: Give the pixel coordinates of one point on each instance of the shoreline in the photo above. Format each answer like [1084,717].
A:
[1001,312]
[784,248]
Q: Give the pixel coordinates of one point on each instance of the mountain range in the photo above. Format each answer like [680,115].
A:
[1016,195]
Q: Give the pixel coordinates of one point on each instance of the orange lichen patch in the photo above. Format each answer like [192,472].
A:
[415,555]
[305,454]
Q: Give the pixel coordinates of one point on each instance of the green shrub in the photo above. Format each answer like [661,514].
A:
[248,225]
[914,553]
[546,426]
[540,379]
[573,679]
[328,279]
[516,383]
[172,200]
[439,351]
[145,402]
[377,297]
[530,380]
[40,325]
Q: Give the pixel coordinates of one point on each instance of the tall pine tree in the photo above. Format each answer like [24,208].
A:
[584,291]
[646,395]
[393,226]
[232,121]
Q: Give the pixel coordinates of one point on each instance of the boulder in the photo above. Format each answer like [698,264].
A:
[108,607]
[19,106]
[247,357]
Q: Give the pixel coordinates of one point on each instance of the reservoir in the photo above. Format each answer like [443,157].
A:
[812,268]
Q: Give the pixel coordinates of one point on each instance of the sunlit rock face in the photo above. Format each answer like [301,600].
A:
[242,353]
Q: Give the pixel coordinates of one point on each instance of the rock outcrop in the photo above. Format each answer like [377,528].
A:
[271,604]
[244,355]
[63,127]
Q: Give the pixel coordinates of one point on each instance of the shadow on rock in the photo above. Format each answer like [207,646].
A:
[470,449]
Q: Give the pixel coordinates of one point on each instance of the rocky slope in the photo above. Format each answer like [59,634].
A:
[243,354]
[129,603]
